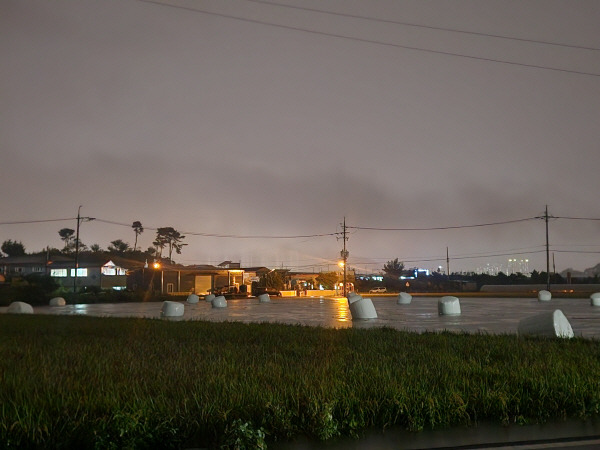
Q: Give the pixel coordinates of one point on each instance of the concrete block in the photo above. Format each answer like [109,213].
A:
[193,298]
[19,308]
[544,296]
[362,308]
[449,306]
[404,298]
[353,297]
[219,302]
[550,324]
[172,309]
[57,301]
[264,298]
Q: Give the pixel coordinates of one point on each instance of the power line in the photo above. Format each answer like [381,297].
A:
[232,236]
[444,228]
[23,222]
[496,254]
[576,251]
[252,236]
[368,41]
[576,218]
[429,27]
[443,257]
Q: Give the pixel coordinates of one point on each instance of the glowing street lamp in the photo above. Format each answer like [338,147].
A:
[156,266]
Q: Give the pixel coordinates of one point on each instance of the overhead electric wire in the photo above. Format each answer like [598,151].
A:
[23,222]
[251,236]
[368,41]
[576,218]
[443,257]
[445,227]
[575,251]
[233,236]
[429,27]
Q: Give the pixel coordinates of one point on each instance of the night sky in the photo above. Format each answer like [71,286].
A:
[243,118]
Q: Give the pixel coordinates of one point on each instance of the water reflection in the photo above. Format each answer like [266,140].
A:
[343,310]
[491,315]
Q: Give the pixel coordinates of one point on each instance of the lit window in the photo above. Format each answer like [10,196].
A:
[109,270]
[80,272]
[58,272]
[113,270]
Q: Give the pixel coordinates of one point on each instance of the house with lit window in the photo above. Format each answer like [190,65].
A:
[21,266]
[93,271]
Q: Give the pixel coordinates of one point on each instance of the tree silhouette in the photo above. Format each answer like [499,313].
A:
[160,242]
[66,234]
[393,269]
[13,248]
[273,279]
[328,279]
[168,236]
[137,229]
[118,246]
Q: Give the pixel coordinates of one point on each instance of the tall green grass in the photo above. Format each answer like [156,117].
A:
[85,382]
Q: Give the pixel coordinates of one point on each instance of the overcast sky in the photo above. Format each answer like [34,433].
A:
[244,118]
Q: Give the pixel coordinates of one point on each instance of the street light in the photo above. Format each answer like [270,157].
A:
[156,265]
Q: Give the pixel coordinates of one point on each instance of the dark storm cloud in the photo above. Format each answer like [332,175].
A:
[143,112]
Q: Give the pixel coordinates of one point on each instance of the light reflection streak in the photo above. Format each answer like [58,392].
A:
[342,309]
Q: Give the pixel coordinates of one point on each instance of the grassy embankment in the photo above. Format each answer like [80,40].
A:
[85,382]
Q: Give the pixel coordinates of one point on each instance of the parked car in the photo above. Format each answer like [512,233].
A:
[377,290]
[263,290]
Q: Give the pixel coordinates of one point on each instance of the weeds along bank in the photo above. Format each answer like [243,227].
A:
[85,382]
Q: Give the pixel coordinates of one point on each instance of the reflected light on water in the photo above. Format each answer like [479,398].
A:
[80,309]
[490,315]
[342,310]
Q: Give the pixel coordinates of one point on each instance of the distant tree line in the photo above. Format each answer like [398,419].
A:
[167,239]
[394,269]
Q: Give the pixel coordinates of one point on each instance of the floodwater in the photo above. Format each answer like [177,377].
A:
[479,315]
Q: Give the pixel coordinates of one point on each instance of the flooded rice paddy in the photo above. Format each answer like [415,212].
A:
[479,315]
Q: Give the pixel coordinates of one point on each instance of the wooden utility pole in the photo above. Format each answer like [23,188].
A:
[79,220]
[77,250]
[344,255]
[547,251]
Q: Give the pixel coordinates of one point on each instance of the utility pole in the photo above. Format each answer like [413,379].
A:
[79,219]
[547,251]
[344,254]
[447,263]
[77,250]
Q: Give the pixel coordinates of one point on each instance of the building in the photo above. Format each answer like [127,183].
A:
[20,266]
[177,279]
[95,271]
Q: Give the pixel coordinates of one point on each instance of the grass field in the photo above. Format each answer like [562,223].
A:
[86,382]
